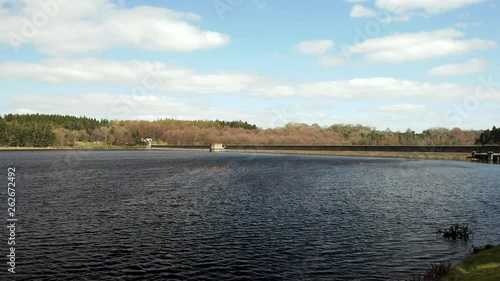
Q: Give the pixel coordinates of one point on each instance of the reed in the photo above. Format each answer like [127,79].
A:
[456,231]
[435,273]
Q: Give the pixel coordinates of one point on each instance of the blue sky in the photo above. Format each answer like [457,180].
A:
[384,63]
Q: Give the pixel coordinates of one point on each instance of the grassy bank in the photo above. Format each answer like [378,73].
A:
[390,154]
[484,266]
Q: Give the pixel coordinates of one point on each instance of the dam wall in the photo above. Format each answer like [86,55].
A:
[397,148]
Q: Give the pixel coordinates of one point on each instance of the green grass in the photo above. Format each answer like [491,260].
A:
[484,266]
[81,144]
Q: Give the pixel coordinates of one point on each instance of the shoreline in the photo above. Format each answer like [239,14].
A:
[68,148]
[481,266]
[454,156]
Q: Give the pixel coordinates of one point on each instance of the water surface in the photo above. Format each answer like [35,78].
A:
[158,215]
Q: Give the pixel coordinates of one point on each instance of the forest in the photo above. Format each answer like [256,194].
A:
[40,130]
[490,136]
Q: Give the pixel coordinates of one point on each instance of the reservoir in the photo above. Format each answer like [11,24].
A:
[167,215]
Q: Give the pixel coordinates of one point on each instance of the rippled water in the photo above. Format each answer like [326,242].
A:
[157,215]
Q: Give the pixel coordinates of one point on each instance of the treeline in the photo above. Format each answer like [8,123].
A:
[298,134]
[64,121]
[65,131]
[489,136]
[26,134]
[41,130]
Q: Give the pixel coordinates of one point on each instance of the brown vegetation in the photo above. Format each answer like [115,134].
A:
[179,133]
[65,131]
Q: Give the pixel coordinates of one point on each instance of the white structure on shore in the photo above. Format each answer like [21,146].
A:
[217,147]
[148,142]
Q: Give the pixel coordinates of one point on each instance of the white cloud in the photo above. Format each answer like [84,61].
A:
[80,27]
[403,10]
[403,108]
[427,6]
[152,77]
[364,89]
[397,116]
[405,47]
[469,67]
[155,76]
[317,47]
[360,11]
[153,107]
[380,88]
[120,106]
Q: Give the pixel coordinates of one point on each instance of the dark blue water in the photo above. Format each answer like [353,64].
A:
[158,215]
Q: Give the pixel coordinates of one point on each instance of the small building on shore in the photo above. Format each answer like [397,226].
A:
[217,147]
[147,142]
